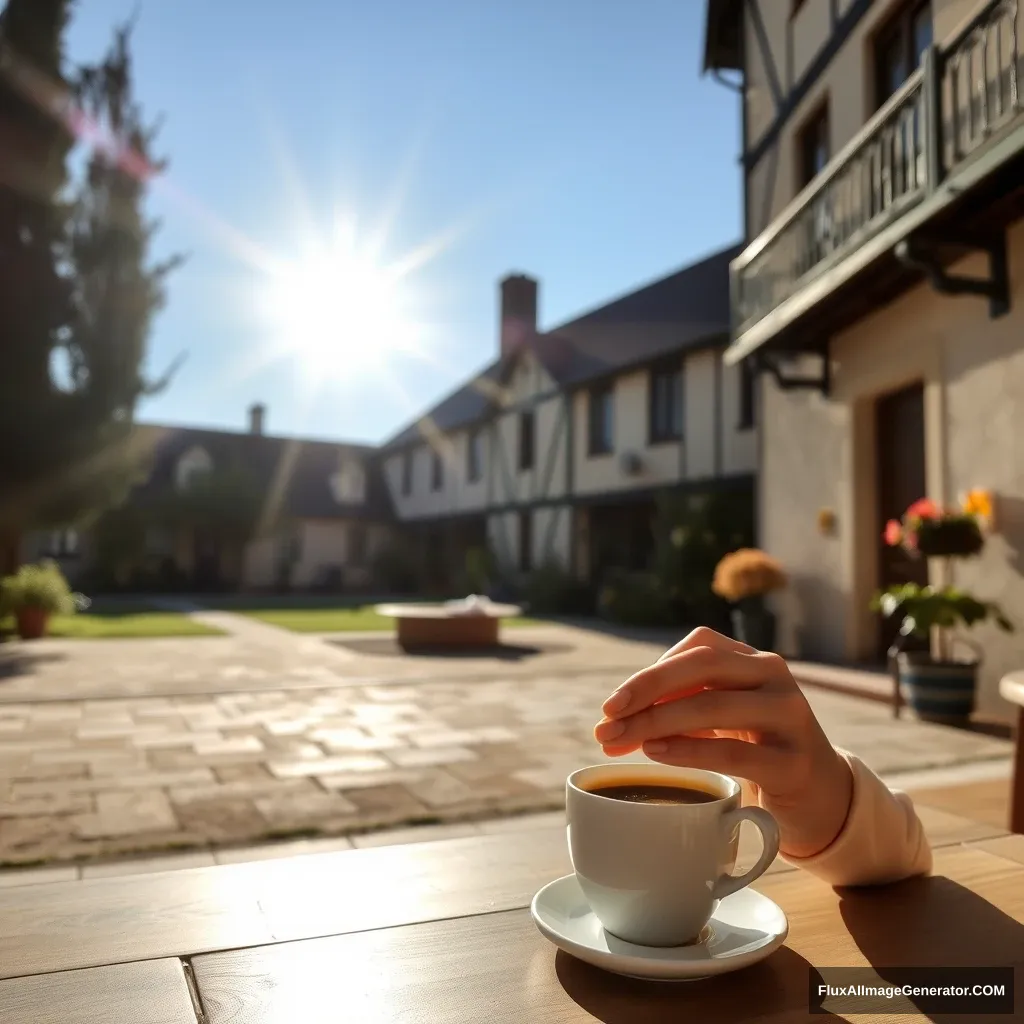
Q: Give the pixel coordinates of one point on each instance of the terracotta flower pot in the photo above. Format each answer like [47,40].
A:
[32,622]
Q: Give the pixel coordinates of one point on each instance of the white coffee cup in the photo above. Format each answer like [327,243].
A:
[654,873]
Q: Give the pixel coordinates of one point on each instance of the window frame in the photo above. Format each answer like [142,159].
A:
[596,396]
[525,540]
[817,122]
[673,370]
[747,396]
[407,466]
[898,27]
[527,453]
[474,457]
[436,472]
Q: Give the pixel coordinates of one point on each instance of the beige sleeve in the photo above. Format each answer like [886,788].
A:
[882,841]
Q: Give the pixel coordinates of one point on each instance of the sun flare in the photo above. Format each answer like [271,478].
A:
[337,310]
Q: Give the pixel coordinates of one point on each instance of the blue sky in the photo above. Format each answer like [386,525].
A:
[573,140]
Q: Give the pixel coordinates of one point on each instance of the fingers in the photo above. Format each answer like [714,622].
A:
[764,766]
[759,711]
[703,636]
[690,672]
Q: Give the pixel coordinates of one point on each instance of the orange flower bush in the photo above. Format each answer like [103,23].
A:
[747,573]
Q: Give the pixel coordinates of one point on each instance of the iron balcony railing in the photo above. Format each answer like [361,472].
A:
[965,91]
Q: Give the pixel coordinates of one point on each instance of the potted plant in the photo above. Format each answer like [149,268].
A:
[34,594]
[939,688]
[743,578]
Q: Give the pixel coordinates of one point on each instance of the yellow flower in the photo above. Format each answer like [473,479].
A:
[978,503]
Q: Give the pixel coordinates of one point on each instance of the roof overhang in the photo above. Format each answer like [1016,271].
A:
[723,36]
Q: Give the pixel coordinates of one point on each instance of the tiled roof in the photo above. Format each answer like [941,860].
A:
[684,310]
[299,471]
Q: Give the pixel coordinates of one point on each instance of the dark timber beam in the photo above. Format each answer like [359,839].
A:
[769,362]
[923,253]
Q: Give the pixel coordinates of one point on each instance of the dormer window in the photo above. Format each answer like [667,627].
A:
[196,462]
[348,484]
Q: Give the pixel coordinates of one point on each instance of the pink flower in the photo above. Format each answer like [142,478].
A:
[924,508]
[893,533]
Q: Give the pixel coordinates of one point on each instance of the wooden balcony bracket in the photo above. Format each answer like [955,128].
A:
[763,362]
[922,253]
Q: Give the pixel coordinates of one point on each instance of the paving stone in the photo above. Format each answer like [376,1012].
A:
[439,789]
[235,745]
[57,803]
[126,813]
[225,819]
[411,757]
[329,765]
[284,811]
[365,780]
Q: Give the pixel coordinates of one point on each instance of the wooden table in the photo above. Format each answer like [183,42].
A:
[1011,688]
[447,627]
[440,933]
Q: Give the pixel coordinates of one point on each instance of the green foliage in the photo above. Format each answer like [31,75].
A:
[637,599]
[394,569]
[477,572]
[225,504]
[41,586]
[692,534]
[922,609]
[77,291]
[551,590]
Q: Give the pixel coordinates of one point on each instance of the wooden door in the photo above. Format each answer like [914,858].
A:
[900,460]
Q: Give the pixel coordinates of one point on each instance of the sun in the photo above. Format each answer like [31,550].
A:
[337,311]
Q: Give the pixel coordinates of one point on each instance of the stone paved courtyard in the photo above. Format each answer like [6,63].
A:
[266,734]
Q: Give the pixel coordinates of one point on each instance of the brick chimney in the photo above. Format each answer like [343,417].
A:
[257,416]
[518,297]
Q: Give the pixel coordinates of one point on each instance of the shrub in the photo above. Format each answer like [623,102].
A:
[40,586]
[551,590]
[637,599]
[747,573]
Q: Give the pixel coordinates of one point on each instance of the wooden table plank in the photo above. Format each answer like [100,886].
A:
[1011,847]
[497,967]
[154,992]
[100,921]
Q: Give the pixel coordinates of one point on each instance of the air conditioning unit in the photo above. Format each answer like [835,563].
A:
[631,463]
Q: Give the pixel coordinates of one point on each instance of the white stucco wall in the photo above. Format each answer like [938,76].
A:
[820,454]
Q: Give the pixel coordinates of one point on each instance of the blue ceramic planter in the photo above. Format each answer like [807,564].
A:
[937,691]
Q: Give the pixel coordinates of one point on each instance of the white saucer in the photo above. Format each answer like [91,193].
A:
[746,927]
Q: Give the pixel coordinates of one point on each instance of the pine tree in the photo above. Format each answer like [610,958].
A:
[79,294]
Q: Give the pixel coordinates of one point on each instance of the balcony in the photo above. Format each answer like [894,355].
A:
[939,167]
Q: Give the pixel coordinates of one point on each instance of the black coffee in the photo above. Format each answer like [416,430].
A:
[655,793]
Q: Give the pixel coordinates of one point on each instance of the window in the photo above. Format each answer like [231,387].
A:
[191,466]
[525,541]
[407,471]
[64,543]
[747,382]
[348,484]
[526,440]
[436,472]
[601,422]
[900,46]
[814,147]
[357,545]
[474,456]
[666,404]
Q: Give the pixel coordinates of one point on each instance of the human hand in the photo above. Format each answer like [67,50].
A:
[713,703]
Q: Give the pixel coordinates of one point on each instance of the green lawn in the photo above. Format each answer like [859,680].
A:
[115,617]
[86,626]
[335,620]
